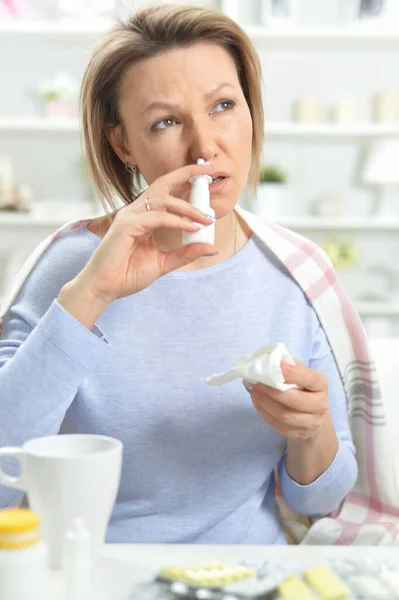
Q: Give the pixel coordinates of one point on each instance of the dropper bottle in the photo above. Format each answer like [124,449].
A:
[200,198]
[77,563]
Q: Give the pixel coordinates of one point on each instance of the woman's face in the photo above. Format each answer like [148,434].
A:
[175,110]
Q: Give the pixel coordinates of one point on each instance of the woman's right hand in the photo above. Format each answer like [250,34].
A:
[127,259]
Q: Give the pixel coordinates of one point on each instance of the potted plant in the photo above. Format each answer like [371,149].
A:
[270,197]
[344,256]
[342,253]
[59,95]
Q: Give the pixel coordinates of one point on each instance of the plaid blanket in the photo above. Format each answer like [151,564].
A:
[370,513]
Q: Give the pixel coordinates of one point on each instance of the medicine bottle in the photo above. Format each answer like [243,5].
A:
[23,556]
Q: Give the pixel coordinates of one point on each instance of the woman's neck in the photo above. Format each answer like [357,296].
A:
[231,234]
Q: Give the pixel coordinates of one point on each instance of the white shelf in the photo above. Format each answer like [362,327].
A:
[38,124]
[50,214]
[297,223]
[282,130]
[355,38]
[347,223]
[9,219]
[329,130]
[58,28]
[377,309]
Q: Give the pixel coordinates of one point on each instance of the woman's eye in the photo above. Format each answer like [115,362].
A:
[155,126]
[229,103]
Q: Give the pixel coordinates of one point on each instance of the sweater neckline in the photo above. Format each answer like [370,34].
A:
[213,269]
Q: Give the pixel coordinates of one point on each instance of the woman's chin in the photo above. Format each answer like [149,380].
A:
[223,209]
[223,202]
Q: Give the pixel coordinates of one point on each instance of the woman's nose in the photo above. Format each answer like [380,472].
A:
[203,143]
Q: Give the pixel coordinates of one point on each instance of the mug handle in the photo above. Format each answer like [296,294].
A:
[8,480]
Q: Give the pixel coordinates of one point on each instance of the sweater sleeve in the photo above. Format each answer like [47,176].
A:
[324,495]
[45,355]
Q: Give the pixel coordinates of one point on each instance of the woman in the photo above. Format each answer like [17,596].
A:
[117,326]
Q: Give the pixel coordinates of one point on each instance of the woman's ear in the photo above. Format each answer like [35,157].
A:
[116,138]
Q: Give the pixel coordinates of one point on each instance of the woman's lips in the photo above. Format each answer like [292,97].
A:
[218,186]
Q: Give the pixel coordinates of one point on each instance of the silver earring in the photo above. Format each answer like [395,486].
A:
[130,168]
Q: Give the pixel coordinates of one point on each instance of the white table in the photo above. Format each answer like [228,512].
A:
[124,565]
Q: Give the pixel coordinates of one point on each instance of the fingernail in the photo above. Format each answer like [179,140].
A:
[199,225]
[211,217]
[248,386]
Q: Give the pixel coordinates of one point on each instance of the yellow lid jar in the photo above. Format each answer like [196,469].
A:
[23,555]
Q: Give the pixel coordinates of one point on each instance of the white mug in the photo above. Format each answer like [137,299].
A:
[67,476]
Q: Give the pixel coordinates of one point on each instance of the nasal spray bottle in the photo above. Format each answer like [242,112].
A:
[200,198]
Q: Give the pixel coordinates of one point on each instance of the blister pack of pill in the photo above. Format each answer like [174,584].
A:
[336,579]
[369,579]
[214,581]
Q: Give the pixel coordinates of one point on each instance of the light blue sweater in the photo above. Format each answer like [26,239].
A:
[198,460]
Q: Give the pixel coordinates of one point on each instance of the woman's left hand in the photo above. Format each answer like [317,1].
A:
[298,414]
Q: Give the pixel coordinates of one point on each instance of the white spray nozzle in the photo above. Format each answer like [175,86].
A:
[194,178]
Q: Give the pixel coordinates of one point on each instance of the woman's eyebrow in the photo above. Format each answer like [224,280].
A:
[175,106]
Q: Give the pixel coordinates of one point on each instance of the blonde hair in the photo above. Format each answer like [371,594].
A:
[150,32]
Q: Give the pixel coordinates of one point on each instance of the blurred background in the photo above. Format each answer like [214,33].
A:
[330,161]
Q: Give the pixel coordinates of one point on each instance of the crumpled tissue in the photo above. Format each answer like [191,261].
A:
[262,366]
